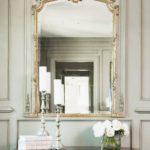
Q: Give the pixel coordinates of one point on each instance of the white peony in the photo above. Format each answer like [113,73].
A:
[107,124]
[116,125]
[99,129]
[108,128]
[125,128]
[110,132]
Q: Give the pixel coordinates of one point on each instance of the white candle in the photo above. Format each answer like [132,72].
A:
[58,92]
[42,78]
[48,83]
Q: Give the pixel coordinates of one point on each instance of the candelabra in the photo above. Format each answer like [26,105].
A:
[43,131]
[58,145]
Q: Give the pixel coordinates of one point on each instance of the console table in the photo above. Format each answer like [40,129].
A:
[45,143]
[90,148]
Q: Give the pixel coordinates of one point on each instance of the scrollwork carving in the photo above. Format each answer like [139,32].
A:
[113,6]
[75,1]
[27,104]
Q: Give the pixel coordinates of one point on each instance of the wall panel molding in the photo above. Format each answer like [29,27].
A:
[145,45]
[142,110]
[5,109]
[4,134]
[28,49]
[122,62]
[4,49]
[142,135]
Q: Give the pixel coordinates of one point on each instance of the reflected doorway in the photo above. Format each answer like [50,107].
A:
[79,75]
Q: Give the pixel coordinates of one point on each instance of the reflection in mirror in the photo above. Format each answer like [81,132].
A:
[75,47]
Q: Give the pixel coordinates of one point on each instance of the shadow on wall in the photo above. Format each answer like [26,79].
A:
[87,138]
[78,133]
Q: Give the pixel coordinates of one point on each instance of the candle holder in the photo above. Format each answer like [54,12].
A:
[58,145]
[43,131]
[47,107]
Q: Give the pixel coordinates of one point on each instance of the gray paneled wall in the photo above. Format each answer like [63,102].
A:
[16,45]
[138,70]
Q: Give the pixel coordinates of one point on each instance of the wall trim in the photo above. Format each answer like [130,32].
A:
[8,130]
[142,98]
[6,109]
[28,39]
[8,50]
[123,53]
[73,119]
[140,132]
[142,110]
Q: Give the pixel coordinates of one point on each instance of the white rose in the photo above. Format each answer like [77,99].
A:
[110,132]
[125,128]
[98,129]
[107,124]
[116,125]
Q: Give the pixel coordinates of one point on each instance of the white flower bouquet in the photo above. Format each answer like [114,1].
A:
[111,133]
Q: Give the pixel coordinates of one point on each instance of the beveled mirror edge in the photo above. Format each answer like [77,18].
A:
[33,112]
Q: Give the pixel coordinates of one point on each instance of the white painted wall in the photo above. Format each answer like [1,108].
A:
[137,77]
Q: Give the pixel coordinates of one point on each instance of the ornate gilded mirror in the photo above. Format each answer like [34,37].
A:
[76,43]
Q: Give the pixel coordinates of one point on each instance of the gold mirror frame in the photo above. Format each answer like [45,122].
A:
[113,6]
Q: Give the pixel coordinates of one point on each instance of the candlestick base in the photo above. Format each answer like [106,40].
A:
[43,133]
[58,146]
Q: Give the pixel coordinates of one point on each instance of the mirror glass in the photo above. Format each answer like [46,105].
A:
[75,50]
